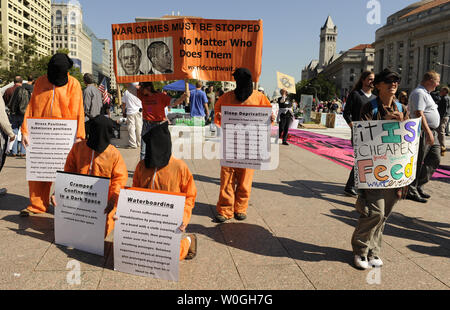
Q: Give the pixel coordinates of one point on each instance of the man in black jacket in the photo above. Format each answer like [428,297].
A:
[358,97]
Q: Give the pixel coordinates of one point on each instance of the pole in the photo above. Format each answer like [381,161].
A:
[188,93]
[119,96]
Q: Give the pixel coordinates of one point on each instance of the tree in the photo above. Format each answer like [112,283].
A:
[320,86]
[21,61]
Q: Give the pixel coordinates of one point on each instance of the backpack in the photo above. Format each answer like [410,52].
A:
[374,104]
[19,101]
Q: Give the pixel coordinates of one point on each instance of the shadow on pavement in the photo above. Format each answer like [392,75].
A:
[258,240]
[12,202]
[299,188]
[401,226]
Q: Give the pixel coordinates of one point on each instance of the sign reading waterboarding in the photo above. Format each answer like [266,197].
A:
[186,48]
[286,81]
[79,216]
[385,153]
[246,137]
[146,235]
[51,140]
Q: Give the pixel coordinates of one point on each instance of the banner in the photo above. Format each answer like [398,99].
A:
[186,48]
[385,153]
[51,140]
[80,217]
[286,81]
[246,137]
[306,103]
[146,235]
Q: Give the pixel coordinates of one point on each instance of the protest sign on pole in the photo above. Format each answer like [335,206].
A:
[286,81]
[79,215]
[385,153]
[146,235]
[51,140]
[246,137]
[186,48]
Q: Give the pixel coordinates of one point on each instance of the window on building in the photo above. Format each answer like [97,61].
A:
[431,58]
[58,17]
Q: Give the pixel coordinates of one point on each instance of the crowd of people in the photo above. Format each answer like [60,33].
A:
[59,95]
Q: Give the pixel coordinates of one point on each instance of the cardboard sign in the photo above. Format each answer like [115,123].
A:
[146,235]
[51,140]
[246,137]
[186,48]
[385,153]
[79,215]
[286,81]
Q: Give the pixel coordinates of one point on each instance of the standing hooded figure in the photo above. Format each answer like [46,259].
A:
[55,95]
[96,156]
[160,171]
[236,183]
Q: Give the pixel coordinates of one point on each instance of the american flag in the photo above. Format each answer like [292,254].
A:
[103,88]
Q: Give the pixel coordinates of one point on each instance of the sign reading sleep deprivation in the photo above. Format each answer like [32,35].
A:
[51,140]
[80,217]
[385,153]
[186,48]
[246,137]
[146,235]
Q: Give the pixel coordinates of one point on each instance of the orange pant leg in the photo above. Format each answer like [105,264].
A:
[225,204]
[184,248]
[39,196]
[244,180]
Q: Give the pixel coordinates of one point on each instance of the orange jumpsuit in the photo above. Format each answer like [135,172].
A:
[109,164]
[235,183]
[48,100]
[176,178]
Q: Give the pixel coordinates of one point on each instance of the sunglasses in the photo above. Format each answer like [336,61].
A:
[391,80]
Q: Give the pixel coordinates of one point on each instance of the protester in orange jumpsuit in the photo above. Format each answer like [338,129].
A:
[96,156]
[58,95]
[160,171]
[236,183]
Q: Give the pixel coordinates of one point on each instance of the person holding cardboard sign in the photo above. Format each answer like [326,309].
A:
[160,171]
[55,95]
[96,156]
[375,205]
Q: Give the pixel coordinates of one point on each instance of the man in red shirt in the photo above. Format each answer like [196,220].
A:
[153,105]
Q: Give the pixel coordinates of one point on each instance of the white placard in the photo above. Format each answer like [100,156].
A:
[246,137]
[50,142]
[339,121]
[79,215]
[385,153]
[146,235]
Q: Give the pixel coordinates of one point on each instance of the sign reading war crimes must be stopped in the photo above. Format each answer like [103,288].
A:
[146,235]
[186,48]
[80,213]
[246,137]
[385,153]
[51,140]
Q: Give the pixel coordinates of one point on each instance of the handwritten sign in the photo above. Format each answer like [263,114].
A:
[192,48]
[146,235]
[385,153]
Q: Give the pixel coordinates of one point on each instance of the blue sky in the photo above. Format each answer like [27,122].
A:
[291,27]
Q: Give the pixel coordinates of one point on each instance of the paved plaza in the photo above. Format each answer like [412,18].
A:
[296,237]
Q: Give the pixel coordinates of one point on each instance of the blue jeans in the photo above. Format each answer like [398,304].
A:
[16,122]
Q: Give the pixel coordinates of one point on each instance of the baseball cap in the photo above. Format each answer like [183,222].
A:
[387,75]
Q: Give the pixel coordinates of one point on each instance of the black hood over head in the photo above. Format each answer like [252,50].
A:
[58,67]
[100,133]
[158,146]
[244,85]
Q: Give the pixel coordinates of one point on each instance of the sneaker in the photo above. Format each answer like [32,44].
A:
[285,143]
[351,192]
[375,261]
[240,216]
[192,252]
[3,191]
[361,262]
[443,151]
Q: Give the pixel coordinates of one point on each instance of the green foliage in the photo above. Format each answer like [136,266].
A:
[324,88]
